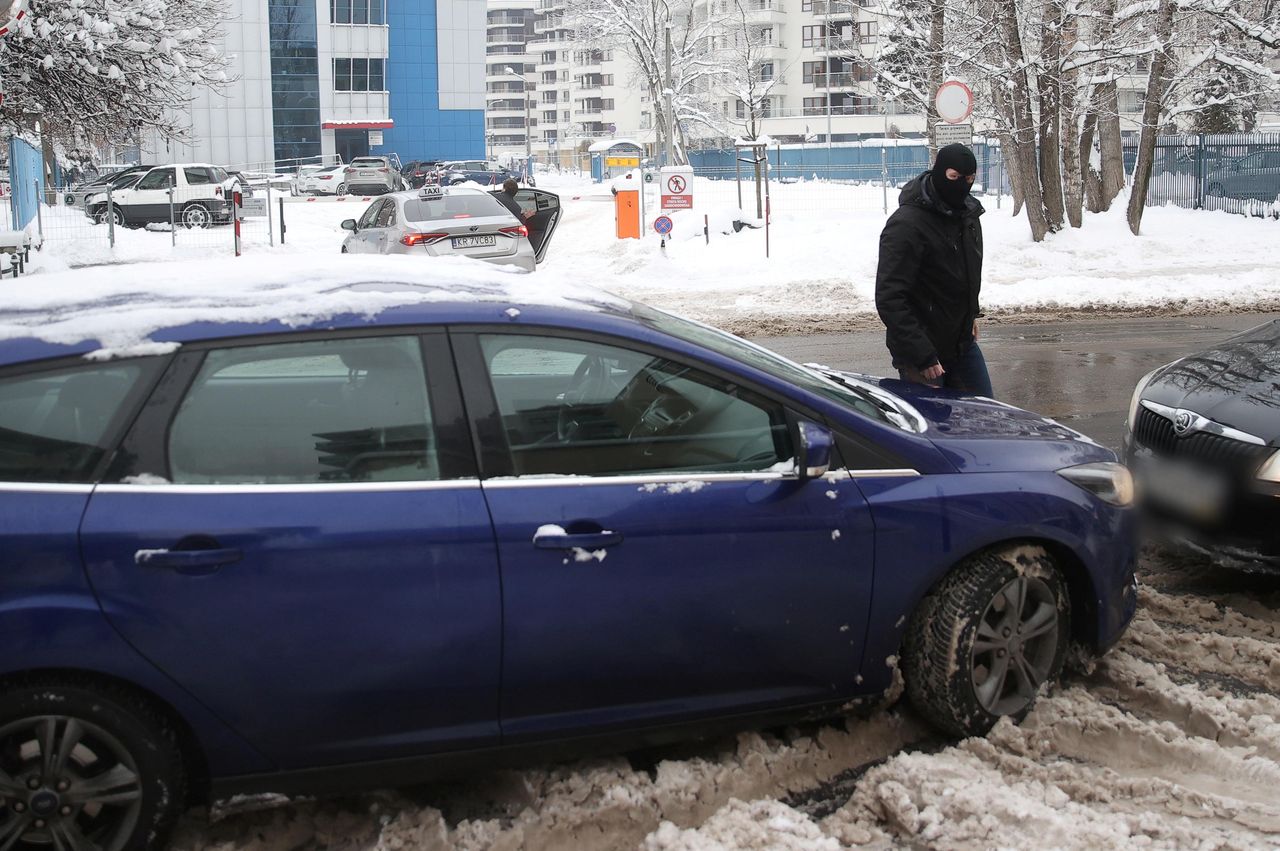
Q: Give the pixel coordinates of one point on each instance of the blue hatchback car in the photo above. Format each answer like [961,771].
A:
[468,524]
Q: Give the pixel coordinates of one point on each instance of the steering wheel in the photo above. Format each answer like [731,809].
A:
[590,380]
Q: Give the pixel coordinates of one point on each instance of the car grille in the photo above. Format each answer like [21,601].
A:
[1156,433]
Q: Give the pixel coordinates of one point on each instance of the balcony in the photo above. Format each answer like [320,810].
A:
[827,9]
[507,36]
[494,107]
[551,5]
[765,11]
[841,80]
[550,22]
[505,21]
[507,86]
[843,45]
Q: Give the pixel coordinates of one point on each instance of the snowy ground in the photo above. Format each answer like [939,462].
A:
[823,244]
[1171,741]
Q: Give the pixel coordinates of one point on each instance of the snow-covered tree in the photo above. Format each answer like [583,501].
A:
[91,70]
[639,28]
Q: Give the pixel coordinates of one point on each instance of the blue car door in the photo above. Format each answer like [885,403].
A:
[660,558]
[294,532]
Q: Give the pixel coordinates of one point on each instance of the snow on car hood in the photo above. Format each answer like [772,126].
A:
[122,306]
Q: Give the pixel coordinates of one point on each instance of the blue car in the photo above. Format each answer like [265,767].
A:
[468,524]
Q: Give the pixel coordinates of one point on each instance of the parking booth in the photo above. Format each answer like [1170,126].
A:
[611,158]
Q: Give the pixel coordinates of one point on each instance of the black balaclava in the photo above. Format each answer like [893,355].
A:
[953,192]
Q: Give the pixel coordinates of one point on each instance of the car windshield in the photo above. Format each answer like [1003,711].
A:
[866,399]
[457,206]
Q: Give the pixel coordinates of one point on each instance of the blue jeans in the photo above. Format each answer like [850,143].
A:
[966,375]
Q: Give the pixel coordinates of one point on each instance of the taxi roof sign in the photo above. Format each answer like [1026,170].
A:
[431,192]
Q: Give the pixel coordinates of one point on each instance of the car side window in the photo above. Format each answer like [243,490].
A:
[387,215]
[157,179]
[54,423]
[370,215]
[351,410]
[575,407]
[198,176]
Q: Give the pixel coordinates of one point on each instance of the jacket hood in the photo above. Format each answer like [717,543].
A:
[1236,383]
[917,193]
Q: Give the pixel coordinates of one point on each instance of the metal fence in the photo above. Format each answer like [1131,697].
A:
[1239,173]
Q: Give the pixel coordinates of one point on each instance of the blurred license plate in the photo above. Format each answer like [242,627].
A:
[1196,493]
[474,241]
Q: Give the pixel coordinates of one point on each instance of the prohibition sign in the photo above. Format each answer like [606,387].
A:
[675,184]
[662,224]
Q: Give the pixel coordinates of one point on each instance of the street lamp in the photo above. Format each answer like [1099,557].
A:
[528,131]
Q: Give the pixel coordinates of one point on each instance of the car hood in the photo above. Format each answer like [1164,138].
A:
[983,435]
[1236,383]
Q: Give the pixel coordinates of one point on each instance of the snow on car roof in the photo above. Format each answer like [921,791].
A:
[117,311]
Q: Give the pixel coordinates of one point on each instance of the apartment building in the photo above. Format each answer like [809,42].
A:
[317,79]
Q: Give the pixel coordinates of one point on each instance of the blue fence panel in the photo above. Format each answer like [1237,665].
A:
[26,182]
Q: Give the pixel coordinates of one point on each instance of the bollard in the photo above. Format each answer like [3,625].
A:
[235,217]
[39,215]
[271,240]
[111,219]
[281,220]
[173,223]
[706,229]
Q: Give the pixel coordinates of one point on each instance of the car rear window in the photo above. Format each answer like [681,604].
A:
[452,207]
[55,424]
[197,176]
[366,162]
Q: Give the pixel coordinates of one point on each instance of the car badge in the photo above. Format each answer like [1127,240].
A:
[1182,421]
[475,228]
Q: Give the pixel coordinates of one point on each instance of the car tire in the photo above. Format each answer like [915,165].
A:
[122,784]
[344,250]
[195,215]
[116,214]
[986,638]
[1216,190]
[341,190]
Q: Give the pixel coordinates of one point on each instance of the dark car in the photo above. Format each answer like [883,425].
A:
[1256,176]
[418,173]
[432,518]
[1204,445]
[116,179]
[476,171]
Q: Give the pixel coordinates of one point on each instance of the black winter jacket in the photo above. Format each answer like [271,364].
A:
[929,277]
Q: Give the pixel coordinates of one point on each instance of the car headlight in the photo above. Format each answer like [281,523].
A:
[1107,480]
[1137,396]
[1270,471]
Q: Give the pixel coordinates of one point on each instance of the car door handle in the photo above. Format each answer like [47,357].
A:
[190,562]
[585,540]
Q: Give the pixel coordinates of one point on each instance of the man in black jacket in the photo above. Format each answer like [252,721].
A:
[930,274]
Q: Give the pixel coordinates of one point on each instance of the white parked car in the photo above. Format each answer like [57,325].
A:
[323,180]
[457,221]
[198,200]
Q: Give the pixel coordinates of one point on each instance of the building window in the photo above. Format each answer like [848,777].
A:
[358,75]
[815,106]
[813,72]
[867,31]
[811,36]
[357,12]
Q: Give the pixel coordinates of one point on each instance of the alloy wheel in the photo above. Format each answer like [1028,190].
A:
[68,784]
[1015,647]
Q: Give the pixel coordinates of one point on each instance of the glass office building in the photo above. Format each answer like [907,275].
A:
[319,80]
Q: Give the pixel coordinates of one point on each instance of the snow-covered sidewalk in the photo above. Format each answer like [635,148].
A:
[823,245]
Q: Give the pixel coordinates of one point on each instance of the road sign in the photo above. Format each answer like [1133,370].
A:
[375,137]
[662,225]
[954,101]
[648,177]
[675,192]
[949,134]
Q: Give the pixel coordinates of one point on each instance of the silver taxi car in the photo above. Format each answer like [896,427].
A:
[458,221]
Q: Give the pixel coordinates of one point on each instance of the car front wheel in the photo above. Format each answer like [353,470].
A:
[196,216]
[82,767]
[341,190]
[986,639]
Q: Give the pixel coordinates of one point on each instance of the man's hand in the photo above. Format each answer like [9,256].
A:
[975,330]
[934,372]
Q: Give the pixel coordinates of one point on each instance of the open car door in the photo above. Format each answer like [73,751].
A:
[545,207]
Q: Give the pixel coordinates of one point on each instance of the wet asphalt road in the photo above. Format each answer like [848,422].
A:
[1081,372]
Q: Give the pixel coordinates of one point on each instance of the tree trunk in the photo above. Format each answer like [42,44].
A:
[1092,179]
[1000,101]
[1024,130]
[1049,90]
[1156,83]
[1112,145]
[1072,167]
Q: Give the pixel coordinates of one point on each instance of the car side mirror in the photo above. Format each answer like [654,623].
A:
[814,454]
[349,224]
